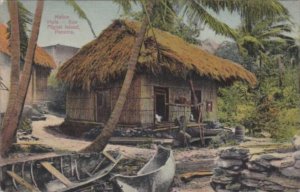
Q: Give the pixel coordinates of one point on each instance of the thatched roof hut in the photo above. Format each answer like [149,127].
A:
[43,64]
[104,59]
[41,57]
[160,87]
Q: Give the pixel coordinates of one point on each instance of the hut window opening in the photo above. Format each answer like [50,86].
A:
[161,101]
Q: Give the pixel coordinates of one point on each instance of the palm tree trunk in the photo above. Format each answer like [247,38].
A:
[8,132]
[15,57]
[100,142]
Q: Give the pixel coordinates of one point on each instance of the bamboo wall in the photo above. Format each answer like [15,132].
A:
[177,88]
[131,111]
[37,90]
[81,105]
[41,81]
[139,107]
[208,93]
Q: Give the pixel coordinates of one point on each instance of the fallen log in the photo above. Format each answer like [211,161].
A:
[190,175]
[139,140]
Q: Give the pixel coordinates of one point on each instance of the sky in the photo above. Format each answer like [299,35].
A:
[61,25]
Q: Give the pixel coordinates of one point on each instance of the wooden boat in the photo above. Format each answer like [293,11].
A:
[69,172]
[156,176]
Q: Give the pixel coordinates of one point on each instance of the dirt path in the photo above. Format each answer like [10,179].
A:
[64,143]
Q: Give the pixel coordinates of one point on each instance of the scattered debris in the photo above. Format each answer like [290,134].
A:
[59,173]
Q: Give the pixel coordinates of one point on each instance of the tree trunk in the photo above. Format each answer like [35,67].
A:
[8,132]
[281,71]
[100,142]
[15,57]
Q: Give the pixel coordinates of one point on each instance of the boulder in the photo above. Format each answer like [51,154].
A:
[229,164]
[297,164]
[269,157]
[250,182]
[296,142]
[286,162]
[246,174]
[270,186]
[235,153]
[222,179]
[254,167]
[262,163]
[233,187]
[290,172]
[226,172]
[296,155]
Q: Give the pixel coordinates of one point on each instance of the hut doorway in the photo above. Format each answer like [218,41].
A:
[194,110]
[161,102]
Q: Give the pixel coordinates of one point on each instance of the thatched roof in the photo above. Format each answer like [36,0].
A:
[106,57]
[41,57]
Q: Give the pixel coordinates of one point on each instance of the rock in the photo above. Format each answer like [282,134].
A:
[222,190]
[262,162]
[296,142]
[232,173]
[233,187]
[234,153]
[226,172]
[27,111]
[297,164]
[287,162]
[296,155]
[269,186]
[268,157]
[222,179]
[254,167]
[234,164]
[250,182]
[290,172]
[253,175]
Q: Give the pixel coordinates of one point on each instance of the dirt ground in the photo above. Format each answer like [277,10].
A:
[183,157]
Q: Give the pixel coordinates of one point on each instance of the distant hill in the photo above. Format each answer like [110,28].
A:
[209,45]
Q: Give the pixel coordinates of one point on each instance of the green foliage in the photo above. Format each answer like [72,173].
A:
[188,32]
[81,14]
[57,94]
[25,20]
[268,108]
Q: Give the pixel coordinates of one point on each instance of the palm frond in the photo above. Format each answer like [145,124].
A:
[126,4]
[81,14]
[197,14]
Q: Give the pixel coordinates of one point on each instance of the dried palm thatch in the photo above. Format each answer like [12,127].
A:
[41,57]
[104,59]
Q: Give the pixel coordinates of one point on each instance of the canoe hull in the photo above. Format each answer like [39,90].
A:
[156,176]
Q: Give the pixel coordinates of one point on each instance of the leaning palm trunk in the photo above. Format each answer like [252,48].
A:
[8,132]
[101,141]
[15,58]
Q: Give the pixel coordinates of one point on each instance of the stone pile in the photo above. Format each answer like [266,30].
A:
[236,172]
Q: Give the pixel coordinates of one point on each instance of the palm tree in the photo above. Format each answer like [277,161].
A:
[264,38]
[15,59]
[8,132]
[195,10]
